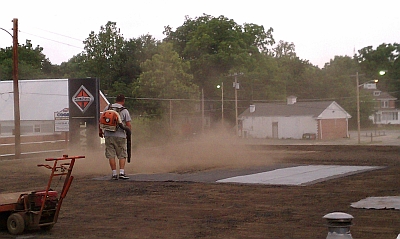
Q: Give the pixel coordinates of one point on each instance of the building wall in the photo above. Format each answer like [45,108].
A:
[44,126]
[28,127]
[332,129]
[392,104]
[287,127]
[386,117]
[334,112]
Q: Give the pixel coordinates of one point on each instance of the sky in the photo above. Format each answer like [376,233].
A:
[320,30]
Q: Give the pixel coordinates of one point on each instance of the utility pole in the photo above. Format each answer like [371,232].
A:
[17,118]
[236,85]
[358,108]
[358,85]
[202,111]
[170,115]
[222,103]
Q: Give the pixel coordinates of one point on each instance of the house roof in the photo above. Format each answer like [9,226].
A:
[38,99]
[314,109]
[381,96]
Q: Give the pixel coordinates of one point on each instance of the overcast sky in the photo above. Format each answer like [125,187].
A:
[319,29]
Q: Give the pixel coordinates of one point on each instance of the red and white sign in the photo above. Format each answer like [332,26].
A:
[83,99]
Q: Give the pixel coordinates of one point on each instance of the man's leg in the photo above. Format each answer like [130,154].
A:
[122,163]
[122,154]
[113,164]
[113,167]
[110,154]
[122,169]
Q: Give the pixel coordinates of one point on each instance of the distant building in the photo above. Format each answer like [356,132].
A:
[385,107]
[295,120]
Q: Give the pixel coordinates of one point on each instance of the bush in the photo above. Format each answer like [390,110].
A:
[149,131]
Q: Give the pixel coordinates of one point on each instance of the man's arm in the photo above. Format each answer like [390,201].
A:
[128,124]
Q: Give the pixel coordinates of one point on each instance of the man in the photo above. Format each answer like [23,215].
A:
[115,142]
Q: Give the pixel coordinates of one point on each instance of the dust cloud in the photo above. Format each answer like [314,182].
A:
[204,152]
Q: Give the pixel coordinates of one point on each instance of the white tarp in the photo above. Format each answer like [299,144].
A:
[389,202]
[300,175]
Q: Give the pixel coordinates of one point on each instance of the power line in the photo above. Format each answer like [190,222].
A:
[59,34]
[32,93]
[52,40]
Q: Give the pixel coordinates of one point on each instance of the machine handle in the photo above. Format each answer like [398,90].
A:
[45,165]
[65,157]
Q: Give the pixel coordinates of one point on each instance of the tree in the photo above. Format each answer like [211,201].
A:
[261,82]
[103,53]
[299,77]
[165,76]
[32,63]
[284,49]
[217,46]
[135,52]
[340,85]
[384,57]
[75,67]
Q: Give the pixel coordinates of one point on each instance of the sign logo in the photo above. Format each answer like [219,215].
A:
[83,99]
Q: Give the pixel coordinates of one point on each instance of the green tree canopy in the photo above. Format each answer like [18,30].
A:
[165,76]
[385,57]
[339,82]
[32,63]
[103,54]
[217,46]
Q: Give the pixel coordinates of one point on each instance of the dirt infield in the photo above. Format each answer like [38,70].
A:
[184,209]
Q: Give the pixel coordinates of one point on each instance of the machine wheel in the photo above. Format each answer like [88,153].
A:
[16,224]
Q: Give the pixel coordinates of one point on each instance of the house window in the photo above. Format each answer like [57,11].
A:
[36,128]
[377,93]
[384,104]
[390,116]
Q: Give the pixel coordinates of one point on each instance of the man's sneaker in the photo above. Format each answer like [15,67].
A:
[114,177]
[122,176]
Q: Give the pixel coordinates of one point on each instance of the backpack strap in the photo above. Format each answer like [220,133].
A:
[118,109]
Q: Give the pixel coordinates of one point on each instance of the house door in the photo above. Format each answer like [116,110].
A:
[274,130]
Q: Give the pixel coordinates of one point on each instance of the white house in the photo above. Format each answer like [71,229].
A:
[385,106]
[295,120]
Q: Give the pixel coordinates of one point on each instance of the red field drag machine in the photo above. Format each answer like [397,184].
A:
[37,209]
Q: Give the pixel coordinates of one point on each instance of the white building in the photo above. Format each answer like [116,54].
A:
[38,102]
[385,107]
[295,120]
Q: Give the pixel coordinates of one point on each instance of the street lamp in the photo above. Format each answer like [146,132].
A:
[358,104]
[222,101]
